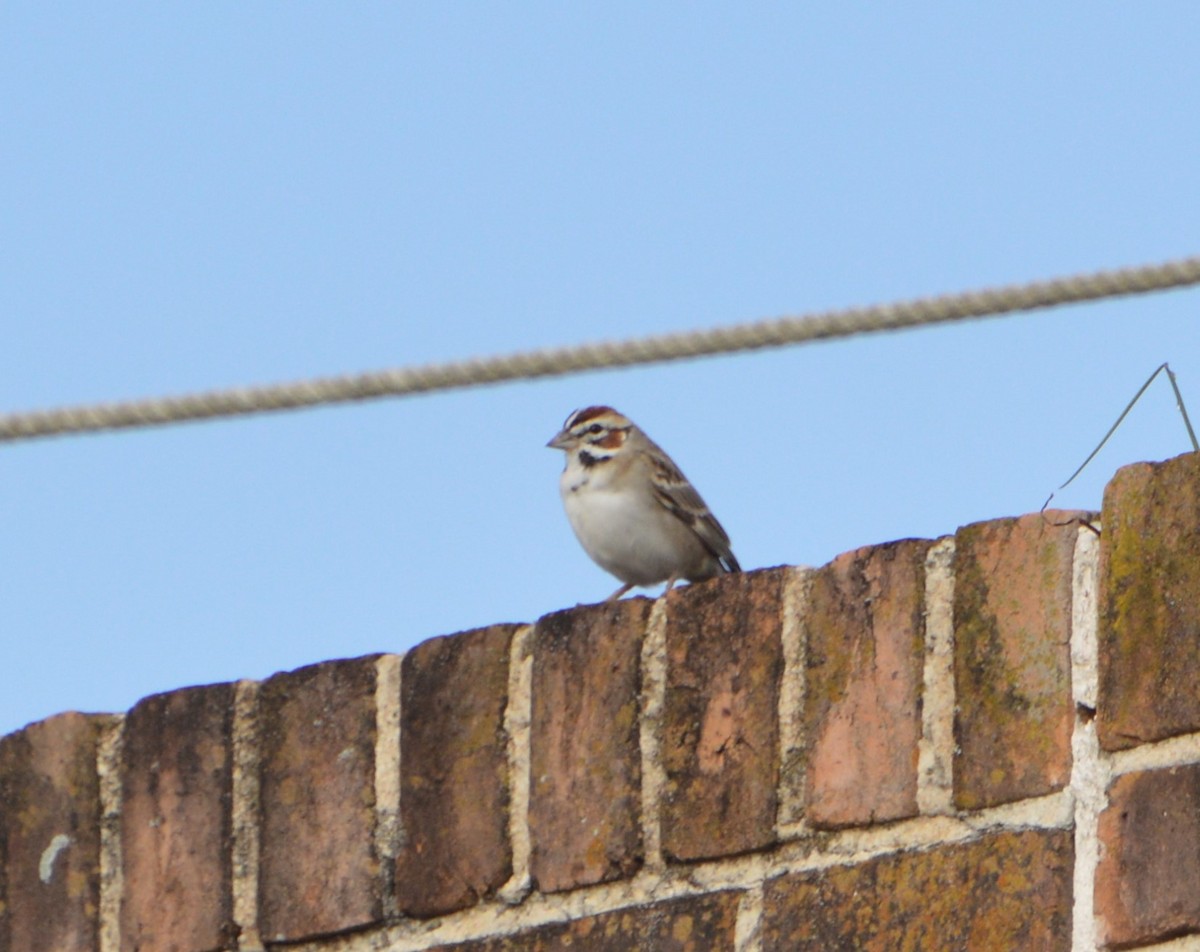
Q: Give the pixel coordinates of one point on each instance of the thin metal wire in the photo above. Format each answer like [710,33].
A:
[1124,413]
[531,365]
[1121,419]
[1182,409]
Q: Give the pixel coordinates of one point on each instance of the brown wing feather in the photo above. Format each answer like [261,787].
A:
[680,498]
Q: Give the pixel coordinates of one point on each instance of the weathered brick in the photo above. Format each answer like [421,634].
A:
[1150,603]
[176,822]
[695,924]
[5,808]
[1148,880]
[50,831]
[1012,658]
[1001,893]
[585,787]
[720,743]
[454,772]
[864,663]
[319,872]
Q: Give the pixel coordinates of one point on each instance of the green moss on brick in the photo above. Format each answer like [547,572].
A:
[864,662]
[1012,607]
[1150,603]
[1004,892]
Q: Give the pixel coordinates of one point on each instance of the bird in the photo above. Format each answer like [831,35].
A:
[632,509]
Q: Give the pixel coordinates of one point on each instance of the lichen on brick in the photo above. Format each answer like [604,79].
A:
[864,664]
[1012,616]
[1150,603]
[720,745]
[1003,892]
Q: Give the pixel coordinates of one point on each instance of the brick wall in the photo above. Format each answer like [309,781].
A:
[988,741]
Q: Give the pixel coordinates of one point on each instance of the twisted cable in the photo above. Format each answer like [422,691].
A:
[530,365]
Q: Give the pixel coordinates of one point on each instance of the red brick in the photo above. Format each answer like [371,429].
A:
[694,924]
[50,836]
[1148,880]
[1012,658]
[5,807]
[720,744]
[1150,603]
[176,823]
[1004,892]
[585,790]
[454,772]
[319,873]
[865,659]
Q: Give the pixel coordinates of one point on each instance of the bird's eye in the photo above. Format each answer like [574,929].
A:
[595,428]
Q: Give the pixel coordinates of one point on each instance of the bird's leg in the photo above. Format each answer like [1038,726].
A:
[671,583]
[619,592]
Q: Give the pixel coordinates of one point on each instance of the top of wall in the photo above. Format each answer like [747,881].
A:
[974,736]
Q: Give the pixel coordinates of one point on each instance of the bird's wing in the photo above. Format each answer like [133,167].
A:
[680,498]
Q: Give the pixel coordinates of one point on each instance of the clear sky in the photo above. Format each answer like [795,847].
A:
[203,195]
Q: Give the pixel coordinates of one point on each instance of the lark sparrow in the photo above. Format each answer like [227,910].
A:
[632,510]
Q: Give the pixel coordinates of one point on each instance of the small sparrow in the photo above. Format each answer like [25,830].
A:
[632,510]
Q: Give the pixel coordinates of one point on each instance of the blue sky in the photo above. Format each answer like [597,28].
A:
[205,195]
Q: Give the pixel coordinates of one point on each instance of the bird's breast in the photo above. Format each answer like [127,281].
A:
[628,533]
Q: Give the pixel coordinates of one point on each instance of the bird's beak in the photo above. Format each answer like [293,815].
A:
[561,441]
